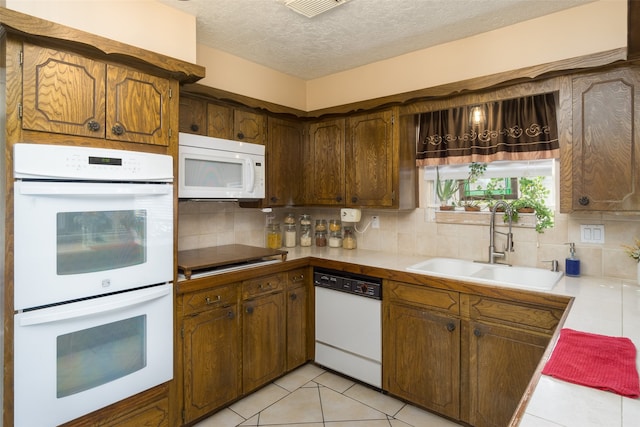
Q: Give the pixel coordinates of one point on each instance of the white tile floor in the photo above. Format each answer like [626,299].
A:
[313,397]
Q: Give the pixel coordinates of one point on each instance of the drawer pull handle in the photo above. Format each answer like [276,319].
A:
[265,287]
[451,326]
[212,301]
[298,278]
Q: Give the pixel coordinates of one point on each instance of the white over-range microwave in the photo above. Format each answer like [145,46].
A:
[220,169]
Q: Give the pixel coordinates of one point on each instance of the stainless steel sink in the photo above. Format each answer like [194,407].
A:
[492,274]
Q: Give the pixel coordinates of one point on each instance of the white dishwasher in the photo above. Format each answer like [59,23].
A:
[348,324]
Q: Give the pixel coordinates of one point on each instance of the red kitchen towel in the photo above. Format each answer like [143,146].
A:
[598,361]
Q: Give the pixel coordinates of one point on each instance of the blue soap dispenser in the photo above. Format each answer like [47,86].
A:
[572,263]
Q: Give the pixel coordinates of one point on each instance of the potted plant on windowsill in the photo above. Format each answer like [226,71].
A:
[446,190]
[476,170]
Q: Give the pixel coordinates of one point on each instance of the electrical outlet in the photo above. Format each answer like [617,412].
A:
[592,233]
[375,221]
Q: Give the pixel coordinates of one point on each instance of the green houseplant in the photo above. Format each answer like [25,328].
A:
[476,170]
[446,190]
[533,199]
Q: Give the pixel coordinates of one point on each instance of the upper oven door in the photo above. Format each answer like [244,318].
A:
[79,239]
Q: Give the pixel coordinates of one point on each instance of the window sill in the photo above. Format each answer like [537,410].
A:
[525,220]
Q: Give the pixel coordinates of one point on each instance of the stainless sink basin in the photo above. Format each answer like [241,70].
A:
[492,274]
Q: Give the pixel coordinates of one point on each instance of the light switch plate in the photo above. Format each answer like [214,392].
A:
[592,233]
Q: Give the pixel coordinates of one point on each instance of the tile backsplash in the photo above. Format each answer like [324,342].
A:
[203,224]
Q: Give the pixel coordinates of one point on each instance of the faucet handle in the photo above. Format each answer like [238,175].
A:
[554,265]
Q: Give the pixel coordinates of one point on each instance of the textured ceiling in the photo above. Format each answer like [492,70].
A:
[355,33]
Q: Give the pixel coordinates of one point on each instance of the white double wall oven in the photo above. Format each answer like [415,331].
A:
[93,291]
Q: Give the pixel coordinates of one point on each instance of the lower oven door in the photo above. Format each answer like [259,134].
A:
[348,334]
[75,358]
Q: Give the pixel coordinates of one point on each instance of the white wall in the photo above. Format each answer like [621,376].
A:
[142,23]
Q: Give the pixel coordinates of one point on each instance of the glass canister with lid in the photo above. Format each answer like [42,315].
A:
[273,236]
[349,238]
[306,234]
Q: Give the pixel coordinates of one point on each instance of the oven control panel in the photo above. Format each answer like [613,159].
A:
[365,286]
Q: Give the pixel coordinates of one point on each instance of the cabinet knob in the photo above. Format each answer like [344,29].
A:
[451,326]
[293,296]
[231,314]
[354,199]
[338,198]
[584,201]
[117,129]
[273,199]
[249,310]
[240,135]
[194,127]
[93,126]
[477,333]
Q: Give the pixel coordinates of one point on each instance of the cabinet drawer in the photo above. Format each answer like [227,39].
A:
[263,285]
[220,296]
[437,299]
[514,314]
[297,277]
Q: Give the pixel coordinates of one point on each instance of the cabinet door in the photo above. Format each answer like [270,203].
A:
[370,160]
[421,358]
[211,360]
[501,363]
[137,107]
[325,166]
[193,116]
[263,340]
[284,162]
[606,146]
[63,93]
[297,312]
[249,127]
[219,124]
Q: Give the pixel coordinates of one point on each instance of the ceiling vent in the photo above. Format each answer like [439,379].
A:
[311,8]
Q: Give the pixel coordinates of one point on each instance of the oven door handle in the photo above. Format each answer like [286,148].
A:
[93,307]
[79,189]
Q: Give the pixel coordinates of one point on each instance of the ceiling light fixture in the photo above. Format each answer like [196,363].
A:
[311,8]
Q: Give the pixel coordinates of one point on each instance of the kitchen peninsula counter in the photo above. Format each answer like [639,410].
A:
[601,305]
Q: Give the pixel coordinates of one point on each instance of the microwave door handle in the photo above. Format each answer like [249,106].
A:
[69,189]
[252,176]
[92,307]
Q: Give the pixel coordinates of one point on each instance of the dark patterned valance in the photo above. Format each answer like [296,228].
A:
[513,129]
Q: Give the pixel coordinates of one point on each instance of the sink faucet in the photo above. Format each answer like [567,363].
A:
[493,254]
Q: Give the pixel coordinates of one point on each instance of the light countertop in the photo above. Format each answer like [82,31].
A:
[602,306]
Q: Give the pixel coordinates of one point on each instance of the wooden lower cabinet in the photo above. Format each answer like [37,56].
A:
[263,330]
[422,361]
[211,348]
[297,314]
[149,409]
[467,357]
[501,362]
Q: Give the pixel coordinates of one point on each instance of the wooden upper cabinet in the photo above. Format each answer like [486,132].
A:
[325,163]
[606,141]
[284,162]
[370,150]
[249,126]
[219,121]
[193,116]
[63,93]
[137,106]
[70,94]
